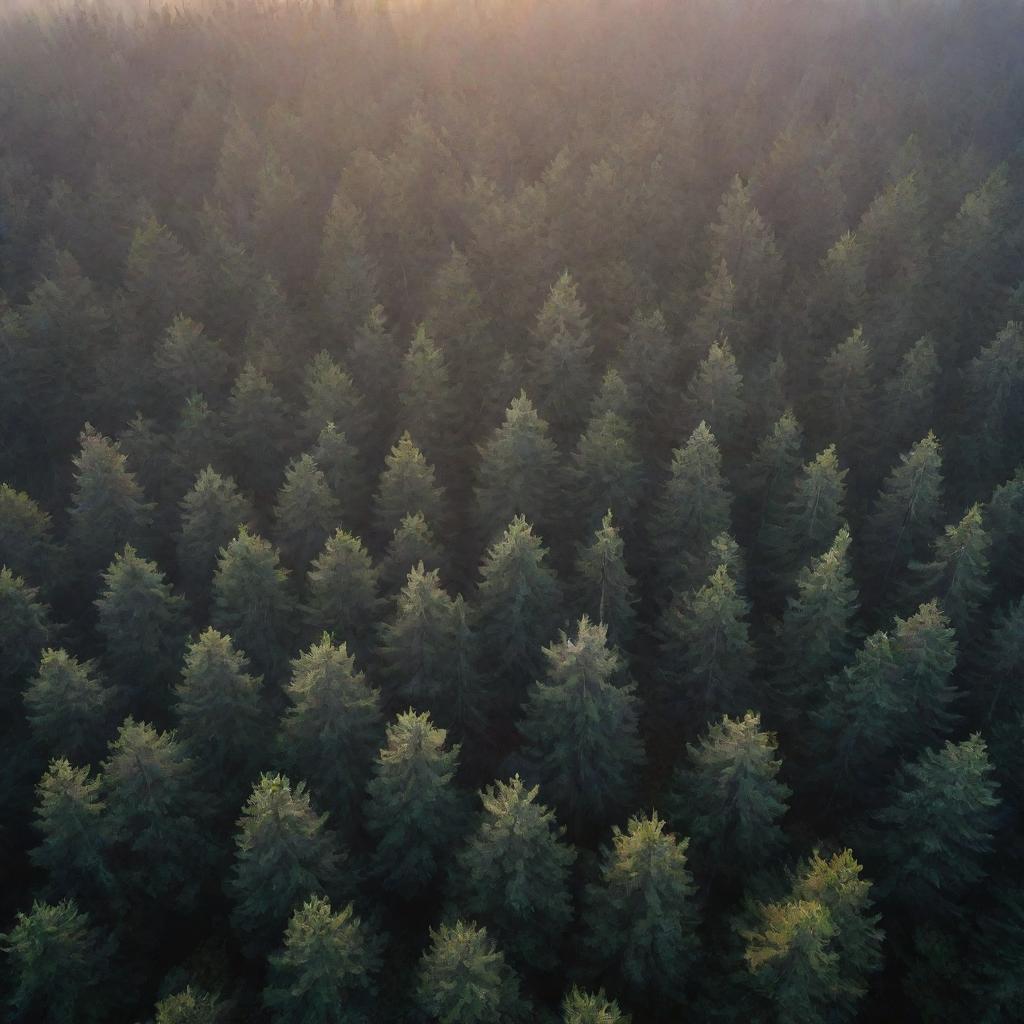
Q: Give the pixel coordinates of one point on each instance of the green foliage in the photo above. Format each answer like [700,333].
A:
[939,824]
[513,874]
[190,361]
[715,394]
[27,547]
[810,955]
[640,919]
[254,424]
[580,729]
[25,628]
[774,468]
[706,654]
[218,706]
[693,509]
[338,460]
[581,1007]
[1004,515]
[252,603]
[331,397]
[107,507]
[59,966]
[331,727]
[518,471]
[190,1006]
[425,395]
[605,588]
[347,274]
[211,514]
[284,853]
[413,543]
[729,799]
[342,589]
[325,973]
[67,706]
[306,512]
[414,812]
[518,602]
[406,487]
[463,978]
[846,385]
[909,395]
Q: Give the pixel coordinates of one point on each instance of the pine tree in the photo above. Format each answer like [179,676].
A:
[107,507]
[518,472]
[158,848]
[810,955]
[818,631]
[306,512]
[325,973]
[331,397]
[331,727]
[27,546]
[715,394]
[774,468]
[218,707]
[845,392]
[693,509]
[142,623]
[25,629]
[647,364]
[254,426]
[406,487]
[811,517]
[463,978]
[411,544]
[605,589]
[939,824]
[580,729]
[999,692]
[729,799]
[190,361]
[337,458]
[197,441]
[415,812]
[907,511]
[425,396]
[706,654]
[607,470]
[718,311]
[274,340]
[1004,516]
[342,592]
[640,919]
[161,277]
[284,853]
[513,875]
[957,574]
[562,377]
[581,1007]
[190,1006]
[67,706]
[59,966]
[518,605]
[74,851]
[252,603]
[909,395]
[347,274]
[211,514]
[374,360]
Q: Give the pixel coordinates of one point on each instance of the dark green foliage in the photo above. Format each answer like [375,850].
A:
[908,395]
[191,1006]
[715,394]
[694,508]
[252,602]
[217,704]
[284,854]
[463,978]
[347,275]
[518,471]
[341,591]
[728,797]
[325,974]
[518,601]
[413,543]
[414,812]
[331,727]
[338,460]
[59,966]
[774,468]
[306,512]
[142,623]
[190,361]
[425,395]
[331,397]
[581,1007]
[580,729]
[939,824]
[107,507]
[26,538]
[254,424]
[25,628]
[706,654]
[211,514]
[640,919]
[406,487]
[811,954]
[513,874]
[1004,517]
[605,587]
[157,842]
[846,389]
[67,706]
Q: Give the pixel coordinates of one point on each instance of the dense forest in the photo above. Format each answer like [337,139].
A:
[512,511]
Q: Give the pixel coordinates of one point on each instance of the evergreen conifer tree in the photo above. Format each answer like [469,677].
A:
[306,512]
[605,588]
[406,487]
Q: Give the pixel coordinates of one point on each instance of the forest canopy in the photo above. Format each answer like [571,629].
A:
[511,512]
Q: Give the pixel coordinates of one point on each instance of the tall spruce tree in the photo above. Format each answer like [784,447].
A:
[305,514]
[347,273]
[715,394]
[25,629]
[411,544]
[579,1007]
[27,545]
[605,590]
[255,427]
[425,397]
[406,487]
